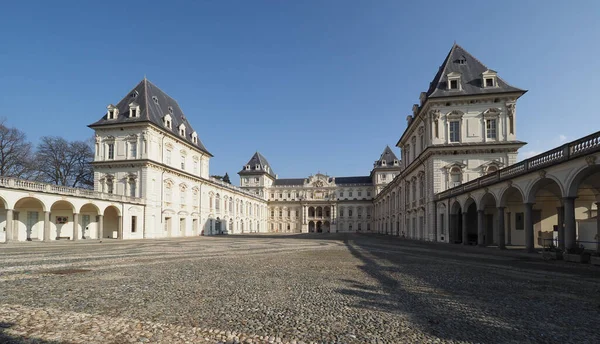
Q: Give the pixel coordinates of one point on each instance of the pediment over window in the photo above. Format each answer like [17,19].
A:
[458,164]
[492,113]
[491,166]
[455,114]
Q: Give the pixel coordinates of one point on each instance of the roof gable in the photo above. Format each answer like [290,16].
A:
[258,163]
[387,159]
[460,62]
[154,105]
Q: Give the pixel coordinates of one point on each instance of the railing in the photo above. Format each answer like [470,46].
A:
[233,187]
[585,145]
[22,184]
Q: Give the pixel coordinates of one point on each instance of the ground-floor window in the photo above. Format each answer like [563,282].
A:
[133,224]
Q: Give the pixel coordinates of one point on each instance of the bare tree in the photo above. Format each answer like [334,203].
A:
[15,152]
[61,162]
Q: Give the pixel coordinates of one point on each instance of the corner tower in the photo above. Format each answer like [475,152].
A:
[385,169]
[257,175]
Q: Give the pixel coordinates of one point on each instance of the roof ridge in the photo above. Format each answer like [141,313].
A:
[146,107]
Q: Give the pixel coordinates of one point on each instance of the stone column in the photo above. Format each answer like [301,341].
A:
[75,226]
[529,244]
[120,227]
[465,233]
[570,229]
[47,226]
[560,211]
[500,232]
[100,226]
[480,228]
[9,225]
[509,229]
[597,226]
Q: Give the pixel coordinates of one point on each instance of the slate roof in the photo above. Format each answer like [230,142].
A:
[388,156]
[289,182]
[471,79]
[261,161]
[353,180]
[154,105]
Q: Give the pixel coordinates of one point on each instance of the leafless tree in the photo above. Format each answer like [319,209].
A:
[61,162]
[15,152]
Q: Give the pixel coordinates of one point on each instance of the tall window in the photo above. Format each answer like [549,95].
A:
[490,129]
[455,177]
[133,149]
[109,186]
[111,150]
[454,131]
[182,196]
[195,167]
[132,188]
[168,193]
[218,202]
[168,157]
[183,162]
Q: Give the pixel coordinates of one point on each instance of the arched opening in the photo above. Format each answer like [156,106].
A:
[319,212]
[455,228]
[512,200]
[231,230]
[491,169]
[585,186]
[29,220]
[487,235]
[62,223]
[311,212]
[542,204]
[89,221]
[455,176]
[4,229]
[470,223]
[326,227]
[319,227]
[218,229]
[327,211]
[311,226]
[111,222]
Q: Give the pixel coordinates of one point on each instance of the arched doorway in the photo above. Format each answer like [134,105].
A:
[319,227]
[89,221]
[512,201]
[4,226]
[319,212]
[29,218]
[311,226]
[470,223]
[326,227]
[311,212]
[111,223]
[62,222]
[218,226]
[585,186]
[456,218]
[540,212]
[486,235]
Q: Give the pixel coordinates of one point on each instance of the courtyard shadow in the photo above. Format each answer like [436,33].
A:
[6,338]
[405,286]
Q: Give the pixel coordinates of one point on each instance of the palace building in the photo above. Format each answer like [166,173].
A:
[458,180]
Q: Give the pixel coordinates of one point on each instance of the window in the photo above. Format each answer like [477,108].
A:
[490,129]
[109,186]
[350,212]
[134,112]
[368,226]
[454,131]
[359,226]
[442,225]
[422,142]
[280,213]
[407,151]
[168,193]
[132,188]
[155,100]
[455,177]
[111,150]
[133,224]
[368,193]
[341,193]
[489,82]
[195,167]
[168,157]
[453,84]
[133,150]
[350,194]
[519,221]
[491,169]
[183,162]
[182,196]
[359,193]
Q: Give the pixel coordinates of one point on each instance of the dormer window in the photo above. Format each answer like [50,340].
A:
[182,130]
[112,112]
[489,78]
[167,121]
[195,137]
[171,110]
[462,60]
[454,81]
[247,167]
[155,100]
[395,162]
[134,110]
[257,167]
[382,162]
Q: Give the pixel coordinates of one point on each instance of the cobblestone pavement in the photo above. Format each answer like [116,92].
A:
[297,289]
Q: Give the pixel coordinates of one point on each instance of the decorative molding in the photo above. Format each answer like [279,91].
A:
[421,130]
[590,160]
[435,114]
[542,173]
[510,109]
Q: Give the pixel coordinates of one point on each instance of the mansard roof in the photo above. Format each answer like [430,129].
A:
[470,72]
[289,181]
[353,180]
[258,164]
[389,157]
[154,106]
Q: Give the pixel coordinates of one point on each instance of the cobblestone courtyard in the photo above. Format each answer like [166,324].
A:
[327,288]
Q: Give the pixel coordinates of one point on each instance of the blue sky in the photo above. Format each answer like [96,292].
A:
[313,85]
